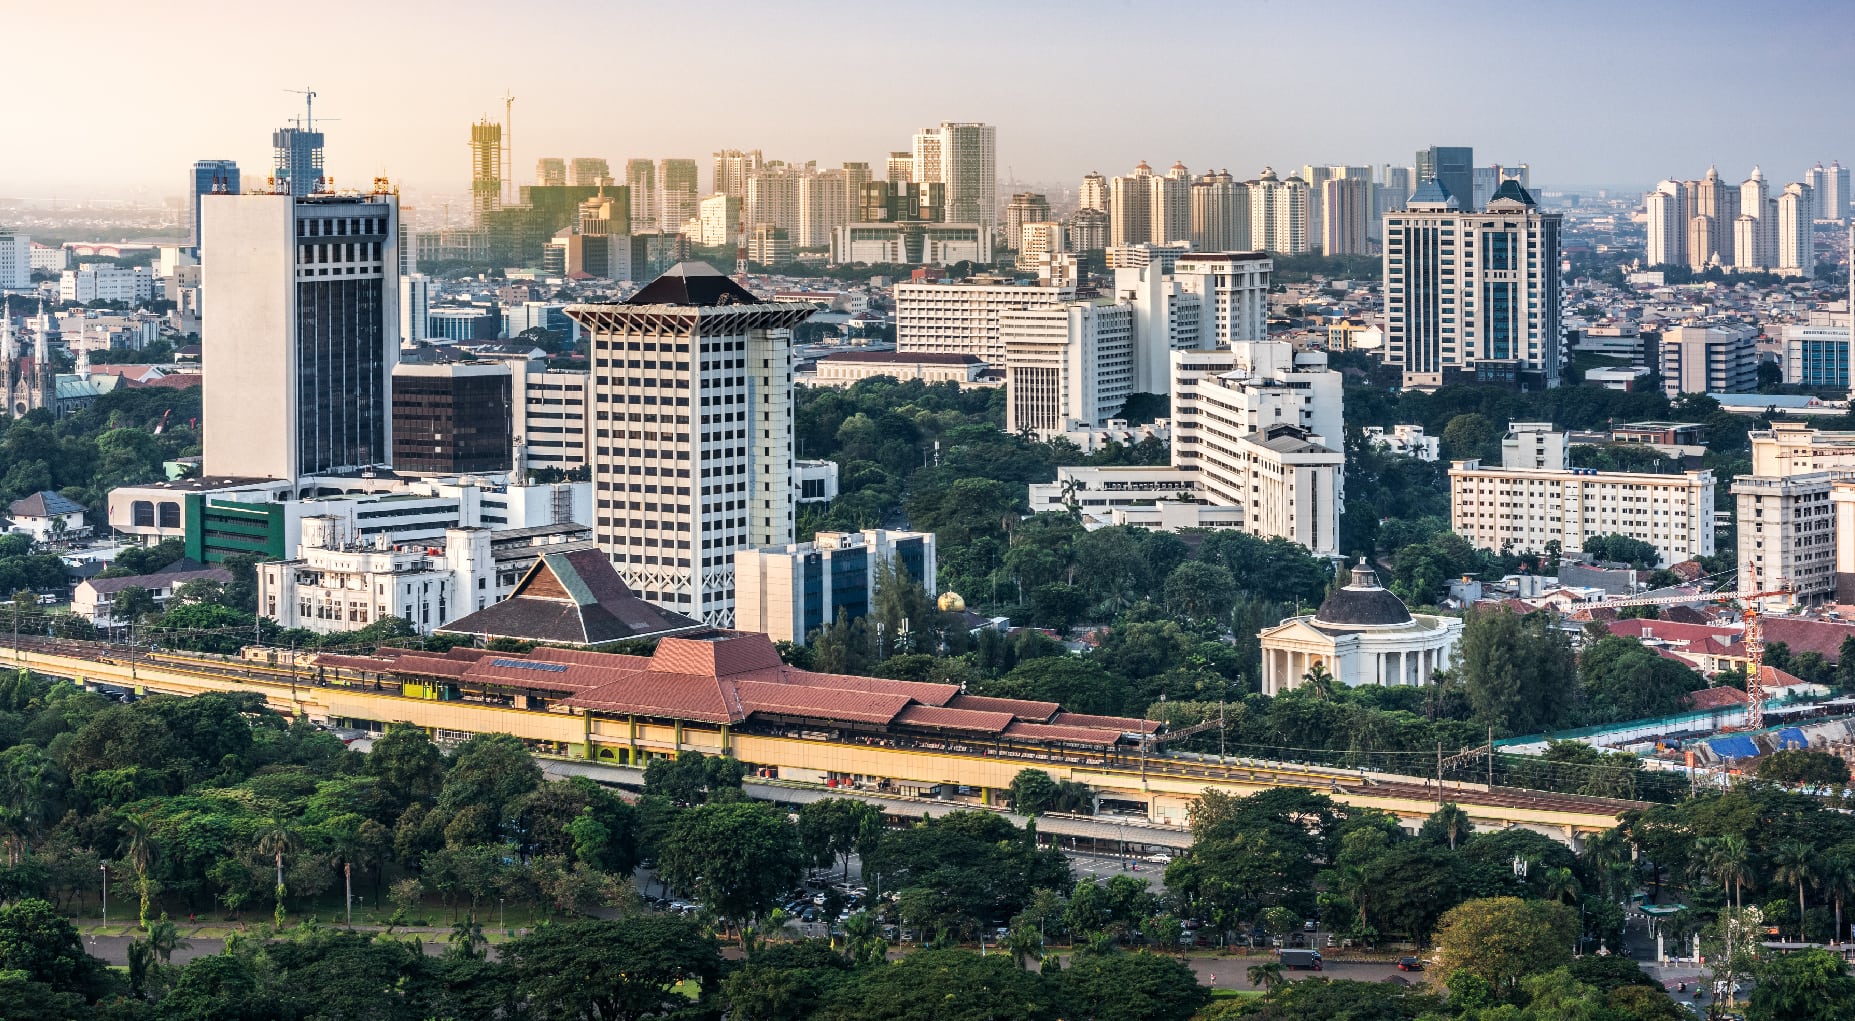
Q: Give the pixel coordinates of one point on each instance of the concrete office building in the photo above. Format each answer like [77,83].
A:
[452,419]
[415,305]
[205,178]
[1234,287]
[1038,242]
[552,419]
[773,197]
[699,466]
[963,156]
[1067,366]
[1536,497]
[788,592]
[15,261]
[1473,295]
[101,282]
[1709,359]
[912,243]
[899,168]
[962,318]
[296,160]
[301,340]
[1816,353]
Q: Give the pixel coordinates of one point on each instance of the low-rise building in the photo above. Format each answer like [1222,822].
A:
[790,591]
[816,481]
[846,368]
[1405,441]
[95,599]
[1361,635]
[1709,359]
[46,516]
[96,282]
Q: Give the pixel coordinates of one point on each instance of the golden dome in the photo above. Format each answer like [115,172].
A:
[950,602]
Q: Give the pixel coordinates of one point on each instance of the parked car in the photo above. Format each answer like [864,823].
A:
[1296,960]
[1410,964]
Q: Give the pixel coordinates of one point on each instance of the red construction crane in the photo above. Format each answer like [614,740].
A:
[1754,633]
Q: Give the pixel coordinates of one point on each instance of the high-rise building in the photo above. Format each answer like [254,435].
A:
[1067,366]
[1795,231]
[296,155]
[606,214]
[824,206]
[1709,359]
[679,192]
[305,315]
[641,178]
[1171,197]
[699,464]
[588,171]
[207,177]
[1220,213]
[733,168]
[1088,230]
[1718,202]
[551,172]
[1314,177]
[1755,229]
[1093,194]
[1038,241]
[415,304]
[1130,207]
[900,167]
[962,318]
[1668,225]
[789,592]
[772,197]
[856,175]
[1024,207]
[485,170]
[964,157]
[1830,188]
[1278,214]
[452,419]
[1395,187]
[1453,168]
[1346,206]
[1493,318]
[720,221]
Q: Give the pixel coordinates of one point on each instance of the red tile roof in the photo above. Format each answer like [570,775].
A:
[1719,696]
[1802,635]
[1033,712]
[822,703]
[1065,735]
[1124,724]
[955,719]
[725,655]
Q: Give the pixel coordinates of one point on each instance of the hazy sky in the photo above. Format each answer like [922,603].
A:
[117,97]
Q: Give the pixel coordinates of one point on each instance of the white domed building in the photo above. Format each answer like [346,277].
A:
[1363,635]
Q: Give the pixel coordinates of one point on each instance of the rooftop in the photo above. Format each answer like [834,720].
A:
[572,598]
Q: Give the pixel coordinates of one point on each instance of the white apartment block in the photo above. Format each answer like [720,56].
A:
[1709,359]
[1536,497]
[337,581]
[15,262]
[719,218]
[692,461]
[964,157]
[94,282]
[1472,294]
[1787,532]
[962,318]
[788,592]
[1796,240]
[1278,214]
[1039,241]
[1167,318]
[1070,366]
[1220,220]
[1235,289]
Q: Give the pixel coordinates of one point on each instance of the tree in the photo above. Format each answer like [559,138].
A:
[1802,767]
[621,970]
[39,942]
[1076,683]
[1197,589]
[409,766]
[1033,792]
[1448,825]
[738,858]
[1623,550]
[276,838]
[831,828]
[1808,985]
[693,778]
[1266,976]
[132,604]
[140,849]
[1503,939]
[786,981]
[490,772]
[943,985]
[1622,679]
[1319,682]
[1472,436]
[1793,863]
[1113,987]
[1519,673]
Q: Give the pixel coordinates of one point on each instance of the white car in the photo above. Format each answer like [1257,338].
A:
[1160,859]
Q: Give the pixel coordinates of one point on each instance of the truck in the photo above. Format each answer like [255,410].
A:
[1296,960]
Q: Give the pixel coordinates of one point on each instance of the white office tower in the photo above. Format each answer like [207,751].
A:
[302,330]
[1278,214]
[1668,216]
[1234,287]
[964,157]
[693,377]
[962,318]
[15,261]
[1472,295]
[1167,318]
[1093,193]
[1069,366]
[1220,213]
[1346,208]
[1796,242]
[825,200]
[415,302]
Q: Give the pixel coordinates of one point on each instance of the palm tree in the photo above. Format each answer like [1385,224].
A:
[1265,976]
[1792,866]
[275,839]
[1451,822]
[142,852]
[164,939]
[863,939]
[1838,881]
[1319,681]
[1607,856]
[465,937]
[1560,884]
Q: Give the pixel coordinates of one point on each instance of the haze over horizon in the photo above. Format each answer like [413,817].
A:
[1588,94]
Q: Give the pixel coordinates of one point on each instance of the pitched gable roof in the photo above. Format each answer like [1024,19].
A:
[43,504]
[574,598]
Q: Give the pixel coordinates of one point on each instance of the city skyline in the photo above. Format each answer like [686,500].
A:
[383,117]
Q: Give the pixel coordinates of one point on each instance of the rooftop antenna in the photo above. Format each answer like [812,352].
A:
[508,147]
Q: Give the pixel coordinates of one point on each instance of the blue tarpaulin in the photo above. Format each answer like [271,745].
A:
[1733,747]
[1792,737]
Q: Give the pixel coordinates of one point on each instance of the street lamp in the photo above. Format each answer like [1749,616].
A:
[502,920]
[104,868]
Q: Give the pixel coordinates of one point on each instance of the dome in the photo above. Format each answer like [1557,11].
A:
[1362,604]
[950,602]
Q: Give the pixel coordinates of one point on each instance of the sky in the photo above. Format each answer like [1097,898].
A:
[116,98]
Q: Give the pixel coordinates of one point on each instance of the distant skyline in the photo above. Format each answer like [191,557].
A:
[118,98]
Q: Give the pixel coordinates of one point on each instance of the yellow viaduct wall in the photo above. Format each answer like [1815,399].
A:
[1168,797]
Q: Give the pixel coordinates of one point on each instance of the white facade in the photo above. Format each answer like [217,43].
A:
[1278,214]
[552,417]
[1167,318]
[1234,287]
[1796,242]
[1220,214]
[15,262]
[962,318]
[1668,225]
[700,464]
[1472,292]
[301,332]
[415,307]
[1787,532]
[912,243]
[788,592]
[720,221]
[1404,440]
[93,282]
[1536,497]
[336,582]
[45,258]
[1709,359]
[964,157]
[1067,364]
[1385,645]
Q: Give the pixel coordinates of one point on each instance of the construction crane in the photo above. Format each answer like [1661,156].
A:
[309,107]
[508,147]
[1754,636]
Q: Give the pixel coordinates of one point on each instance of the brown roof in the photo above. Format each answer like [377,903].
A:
[1124,724]
[572,598]
[955,719]
[724,655]
[1719,696]
[822,703]
[901,358]
[1034,712]
[1803,635]
[1064,735]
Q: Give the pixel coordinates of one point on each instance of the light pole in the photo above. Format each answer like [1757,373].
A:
[502,919]
[104,868]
